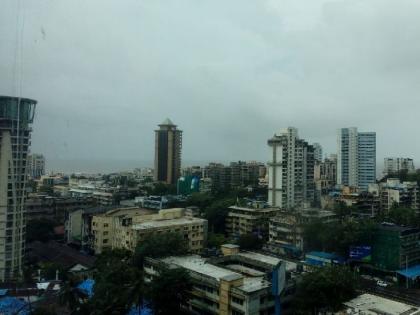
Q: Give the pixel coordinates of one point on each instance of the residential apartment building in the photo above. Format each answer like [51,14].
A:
[356,158]
[394,192]
[125,228]
[236,175]
[317,152]
[40,206]
[168,147]
[239,283]
[396,165]
[252,218]
[286,229]
[16,118]
[325,175]
[290,170]
[36,165]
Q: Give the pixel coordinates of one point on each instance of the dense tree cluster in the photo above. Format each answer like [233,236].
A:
[120,285]
[324,290]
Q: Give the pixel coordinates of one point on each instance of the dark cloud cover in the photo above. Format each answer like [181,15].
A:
[229,73]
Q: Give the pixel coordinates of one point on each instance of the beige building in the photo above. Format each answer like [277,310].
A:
[249,219]
[125,228]
[239,283]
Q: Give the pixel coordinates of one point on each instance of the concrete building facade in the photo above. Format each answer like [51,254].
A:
[393,165]
[290,170]
[36,165]
[16,117]
[126,227]
[168,147]
[239,283]
[250,219]
[356,158]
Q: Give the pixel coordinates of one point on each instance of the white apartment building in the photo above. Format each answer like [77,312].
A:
[393,165]
[290,170]
[356,158]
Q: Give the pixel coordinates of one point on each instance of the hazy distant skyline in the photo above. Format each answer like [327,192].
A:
[230,74]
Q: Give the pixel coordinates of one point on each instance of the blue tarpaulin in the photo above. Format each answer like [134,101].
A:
[143,311]
[412,273]
[86,287]
[13,306]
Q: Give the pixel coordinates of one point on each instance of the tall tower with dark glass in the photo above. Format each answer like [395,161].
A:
[168,146]
[16,117]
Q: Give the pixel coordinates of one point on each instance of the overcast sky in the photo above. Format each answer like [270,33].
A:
[229,73]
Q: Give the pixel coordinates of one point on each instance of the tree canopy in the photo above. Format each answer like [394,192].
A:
[324,289]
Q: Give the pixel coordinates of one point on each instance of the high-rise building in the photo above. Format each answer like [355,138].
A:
[290,170]
[36,165]
[325,175]
[317,152]
[16,117]
[168,146]
[395,165]
[356,158]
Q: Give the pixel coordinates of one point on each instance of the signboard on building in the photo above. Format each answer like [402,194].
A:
[361,253]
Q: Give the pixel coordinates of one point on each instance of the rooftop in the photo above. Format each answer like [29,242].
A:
[369,304]
[252,209]
[167,122]
[165,223]
[261,257]
[198,264]
[61,254]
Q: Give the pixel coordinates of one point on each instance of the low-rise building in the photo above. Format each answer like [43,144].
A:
[125,228]
[395,165]
[394,192]
[239,283]
[252,218]
[286,229]
[369,304]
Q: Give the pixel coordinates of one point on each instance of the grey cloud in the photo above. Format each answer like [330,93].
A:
[229,73]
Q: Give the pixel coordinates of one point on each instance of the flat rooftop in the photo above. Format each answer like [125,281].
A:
[166,223]
[250,209]
[200,265]
[369,304]
[271,260]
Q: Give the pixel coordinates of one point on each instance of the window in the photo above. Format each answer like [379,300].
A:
[105,241]
[237,300]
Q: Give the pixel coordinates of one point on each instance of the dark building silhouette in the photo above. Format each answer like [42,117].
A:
[168,145]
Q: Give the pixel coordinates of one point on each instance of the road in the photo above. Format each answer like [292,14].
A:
[410,296]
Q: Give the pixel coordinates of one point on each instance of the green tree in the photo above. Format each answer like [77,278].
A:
[216,214]
[403,216]
[325,289]
[160,245]
[118,283]
[161,189]
[168,290]
[40,230]
[250,242]
[337,237]
[215,240]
